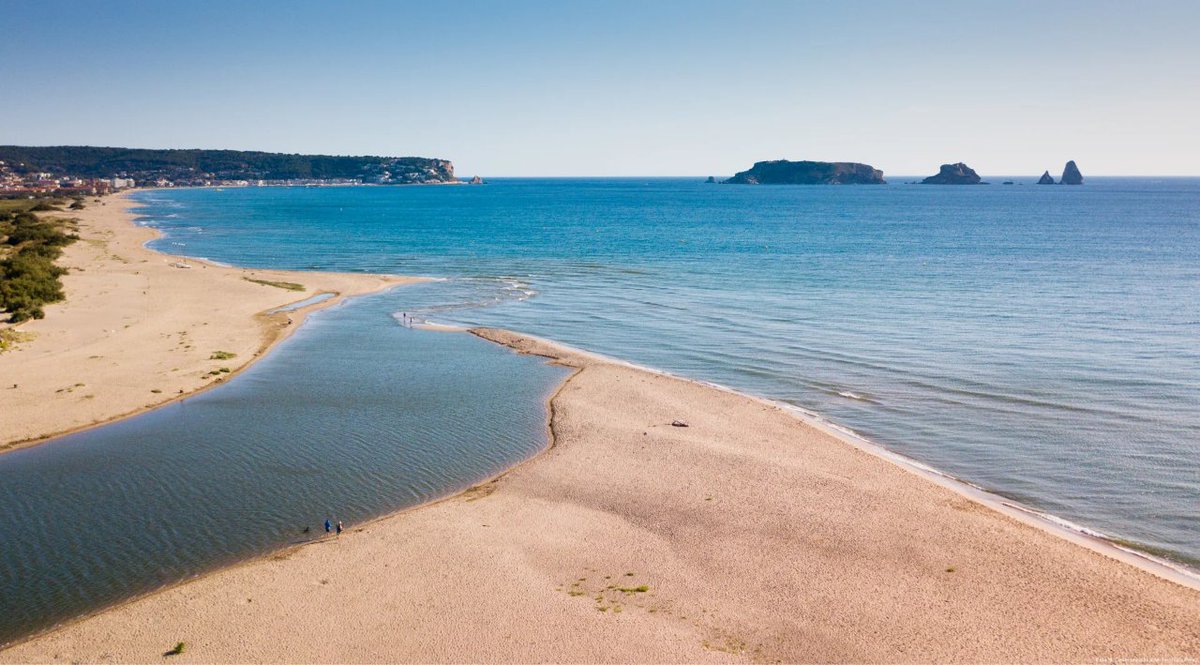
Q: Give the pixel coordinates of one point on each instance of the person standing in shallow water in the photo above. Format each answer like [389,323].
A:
[328,526]
[339,528]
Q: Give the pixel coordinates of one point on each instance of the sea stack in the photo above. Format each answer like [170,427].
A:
[953,174]
[476,181]
[783,172]
[1071,175]
[1045,179]
[711,180]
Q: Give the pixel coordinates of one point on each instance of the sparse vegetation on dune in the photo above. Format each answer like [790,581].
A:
[290,286]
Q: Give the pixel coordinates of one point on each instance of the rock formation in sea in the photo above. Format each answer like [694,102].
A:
[1045,179]
[1071,175]
[710,180]
[476,181]
[784,172]
[953,174]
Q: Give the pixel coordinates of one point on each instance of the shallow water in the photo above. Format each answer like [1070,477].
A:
[1042,342]
[352,417]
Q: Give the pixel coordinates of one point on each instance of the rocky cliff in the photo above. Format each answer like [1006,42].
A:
[953,174]
[783,172]
[1071,175]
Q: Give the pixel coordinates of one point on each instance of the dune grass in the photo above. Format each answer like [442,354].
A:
[290,286]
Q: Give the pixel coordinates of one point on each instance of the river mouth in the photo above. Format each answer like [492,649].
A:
[353,417]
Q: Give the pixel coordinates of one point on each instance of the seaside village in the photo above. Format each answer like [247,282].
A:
[33,185]
[18,182]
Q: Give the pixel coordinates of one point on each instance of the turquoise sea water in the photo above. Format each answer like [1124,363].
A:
[1041,342]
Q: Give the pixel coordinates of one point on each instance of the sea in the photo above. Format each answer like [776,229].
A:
[1039,342]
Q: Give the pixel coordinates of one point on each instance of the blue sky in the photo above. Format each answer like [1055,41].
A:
[619,88]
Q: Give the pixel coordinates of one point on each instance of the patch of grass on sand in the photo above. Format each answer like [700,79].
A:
[9,338]
[17,205]
[636,589]
[178,649]
[222,355]
[290,286]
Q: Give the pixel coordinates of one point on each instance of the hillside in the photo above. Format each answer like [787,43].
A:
[195,166]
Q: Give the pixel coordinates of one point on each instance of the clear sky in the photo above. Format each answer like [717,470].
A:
[650,87]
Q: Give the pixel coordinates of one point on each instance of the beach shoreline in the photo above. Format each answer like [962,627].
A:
[1104,544]
[578,489]
[531,544]
[128,336]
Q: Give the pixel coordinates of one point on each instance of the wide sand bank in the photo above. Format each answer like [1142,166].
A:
[138,328]
[748,535]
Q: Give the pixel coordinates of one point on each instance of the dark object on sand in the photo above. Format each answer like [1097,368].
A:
[678,423]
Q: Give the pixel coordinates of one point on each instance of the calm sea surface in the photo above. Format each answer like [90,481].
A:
[1041,342]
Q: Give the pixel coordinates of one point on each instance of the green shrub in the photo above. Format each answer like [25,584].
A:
[28,277]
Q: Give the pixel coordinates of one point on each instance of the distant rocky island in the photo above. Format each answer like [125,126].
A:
[784,172]
[1070,176]
[207,167]
[953,174]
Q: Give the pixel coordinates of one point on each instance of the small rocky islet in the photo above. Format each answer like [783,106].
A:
[784,172]
[1070,176]
[954,174]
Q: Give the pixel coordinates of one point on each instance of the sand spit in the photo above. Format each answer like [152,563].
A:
[140,328]
[747,535]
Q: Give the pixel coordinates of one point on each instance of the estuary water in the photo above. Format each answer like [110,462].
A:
[1040,342]
[350,418]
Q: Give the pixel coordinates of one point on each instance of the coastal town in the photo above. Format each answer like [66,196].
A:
[37,184]
[75,171]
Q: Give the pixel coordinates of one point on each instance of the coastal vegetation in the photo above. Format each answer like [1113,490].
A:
[29,279]
[198,166]
[290,286]
[23,205]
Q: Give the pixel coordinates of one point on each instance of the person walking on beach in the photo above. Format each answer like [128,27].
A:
[328,526]
[339,529]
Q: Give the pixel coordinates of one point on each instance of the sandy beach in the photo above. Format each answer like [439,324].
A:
[139,328]
[748,535]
